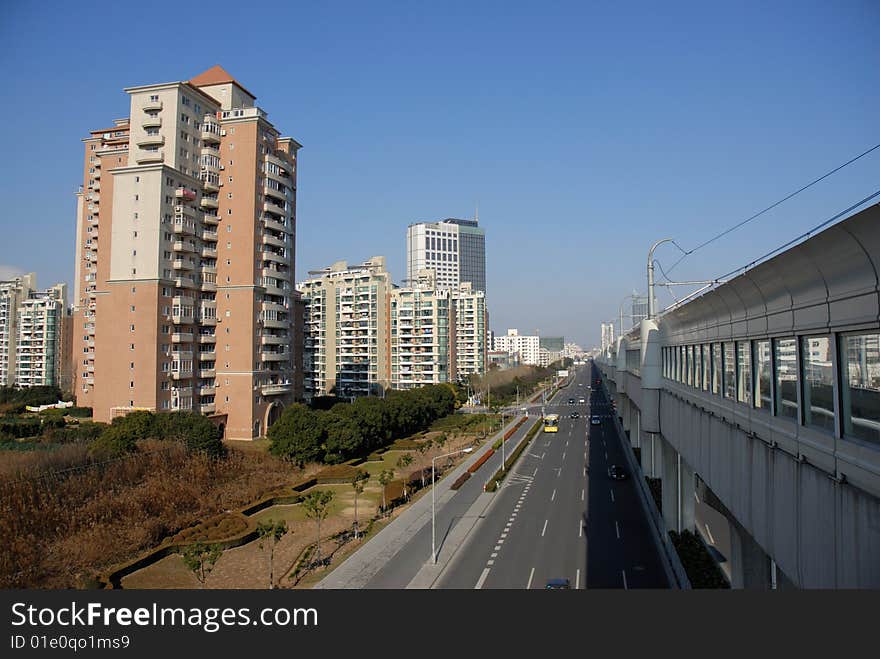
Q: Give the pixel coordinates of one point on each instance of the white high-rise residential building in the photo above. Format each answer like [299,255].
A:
[472,350]
[527,347]
[12,292]
[33,325]
[607,336]
[346,329]
[455,249]
[39,352]
[422,333]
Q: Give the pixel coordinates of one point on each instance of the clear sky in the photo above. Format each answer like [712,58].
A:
[584,130]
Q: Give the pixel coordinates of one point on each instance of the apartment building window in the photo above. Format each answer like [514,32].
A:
[131,328]
[818,383]
[132,308]
[131,385]
[154,97]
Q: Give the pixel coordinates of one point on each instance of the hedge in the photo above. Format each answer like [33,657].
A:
[460,480]
[479,463]
[220,527]
[701,568]
[336,474]
[509,433]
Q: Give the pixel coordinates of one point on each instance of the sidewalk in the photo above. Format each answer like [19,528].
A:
[359,568]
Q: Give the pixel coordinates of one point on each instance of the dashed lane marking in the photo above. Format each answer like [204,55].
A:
[544,530]
[482,579]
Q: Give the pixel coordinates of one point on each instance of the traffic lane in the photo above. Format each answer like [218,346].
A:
[629,559]
[544,534]
[466,568]
[405,564]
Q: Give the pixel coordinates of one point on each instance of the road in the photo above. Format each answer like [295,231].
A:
[559,515]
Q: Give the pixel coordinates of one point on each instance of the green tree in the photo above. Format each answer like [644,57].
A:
[343,437]
[270,532]
[358,483]
[200,559]
[298,436]
[385,477]
[317,507]
[403,462]
[113,441]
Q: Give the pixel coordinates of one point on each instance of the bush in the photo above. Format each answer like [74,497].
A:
[701,568]
[460,481]
[80,412]
[16,428]
[112,442]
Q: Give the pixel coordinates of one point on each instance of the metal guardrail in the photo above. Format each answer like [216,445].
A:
[672,564]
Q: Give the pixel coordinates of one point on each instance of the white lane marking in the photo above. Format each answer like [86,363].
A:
[566,443]
[490,562]
[563,456]
[624,579]
[612,496]
[606,455]
[585,471]
[617,529]
[531,574]
[544,530]
[536,472]
[580,528]
[582,494]
[497,547]
[482,579]
[711,539]
[494,554]
[504,535]
[543,454]
[577,579]
[553,496]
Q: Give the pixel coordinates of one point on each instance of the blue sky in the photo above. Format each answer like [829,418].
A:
[584,130]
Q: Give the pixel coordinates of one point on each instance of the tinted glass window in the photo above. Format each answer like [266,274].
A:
[744,372]
[785,356]
[716,368]
[818,382]
[762,374]
[860,377]
[729,370]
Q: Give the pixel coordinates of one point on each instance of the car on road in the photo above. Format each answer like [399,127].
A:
[596,421]
[575,415]
[571,401]
[582,400]
[558,584]
[617,473]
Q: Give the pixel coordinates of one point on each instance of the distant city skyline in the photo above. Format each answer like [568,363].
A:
[583,132]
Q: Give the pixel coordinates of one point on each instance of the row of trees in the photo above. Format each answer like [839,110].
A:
[193,430]
[523,380]
[349,430]
[13,400]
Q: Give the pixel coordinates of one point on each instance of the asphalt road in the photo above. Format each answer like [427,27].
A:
[559,515]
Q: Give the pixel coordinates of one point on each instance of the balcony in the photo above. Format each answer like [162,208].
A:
[269,191]
[208,286]
[146,157]
[209,168]
[152,122]
[211,149]
[179,374]
[184,282]
[153,106]
[151,140]
[184,228]
[207,373]
[208,321]
[207,338]
[211,219]
[210,185]
[209,202]
[276,324]
[182,264]
[209,234]
[207,408]
[276,389]
[275,258]
[181,246]
[276,226]
[208,356]
[269,239]
[212,135]
[184,194]
[182,320]
[182,337]
[209,252]
[271,207]
[181,355]
[275,356]
[272,339]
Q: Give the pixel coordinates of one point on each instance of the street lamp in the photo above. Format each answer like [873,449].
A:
[433,489]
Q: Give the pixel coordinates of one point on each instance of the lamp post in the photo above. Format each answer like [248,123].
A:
[502,442]
[651,301]
[433,489]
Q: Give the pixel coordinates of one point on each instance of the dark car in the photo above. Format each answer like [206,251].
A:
[617,473]
[596,421]
[571,401]
[558,584]
[575,415]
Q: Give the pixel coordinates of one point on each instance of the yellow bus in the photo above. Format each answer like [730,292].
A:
[551,423]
